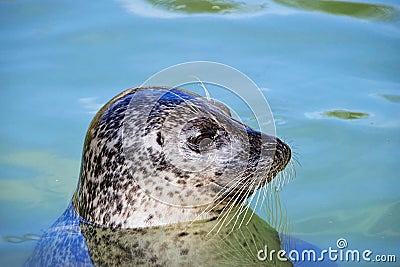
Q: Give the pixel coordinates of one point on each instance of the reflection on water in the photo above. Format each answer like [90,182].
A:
[388,223]
[391,98]
[346,114]
[73,242]
[205,6]
[221,7]
[182,245]
[171,8]
[337,113]
[19,239]
[353,9]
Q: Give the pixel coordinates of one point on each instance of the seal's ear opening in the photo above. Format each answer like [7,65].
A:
[221,106]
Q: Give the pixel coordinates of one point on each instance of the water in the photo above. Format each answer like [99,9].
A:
[319,66]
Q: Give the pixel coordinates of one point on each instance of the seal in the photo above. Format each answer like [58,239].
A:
[164,179]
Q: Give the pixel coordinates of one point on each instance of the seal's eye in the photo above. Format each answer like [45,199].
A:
[202,142]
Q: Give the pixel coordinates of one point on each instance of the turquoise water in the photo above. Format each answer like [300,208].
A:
[329,72]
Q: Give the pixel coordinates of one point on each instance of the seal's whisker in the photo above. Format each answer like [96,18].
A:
[276,209]
[240,179]
[288,174]
[262,191]
[225,191]
[241,247]
[249,203]
[245,210]
[265,188]
[264,194]
[293,169]
[231,245]
[248,245]
[211,206]
[277,181]
[291,172]
[242,207]
[254,243]
[250,190]
[247,182]
[228,188]
[295,156]
[237,250]
[230,205]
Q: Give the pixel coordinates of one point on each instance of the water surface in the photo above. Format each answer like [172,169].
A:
[317,64]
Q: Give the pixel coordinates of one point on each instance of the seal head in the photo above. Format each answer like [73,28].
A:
[157,156]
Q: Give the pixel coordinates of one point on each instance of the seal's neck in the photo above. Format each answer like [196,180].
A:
[152,212]
[134,209]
